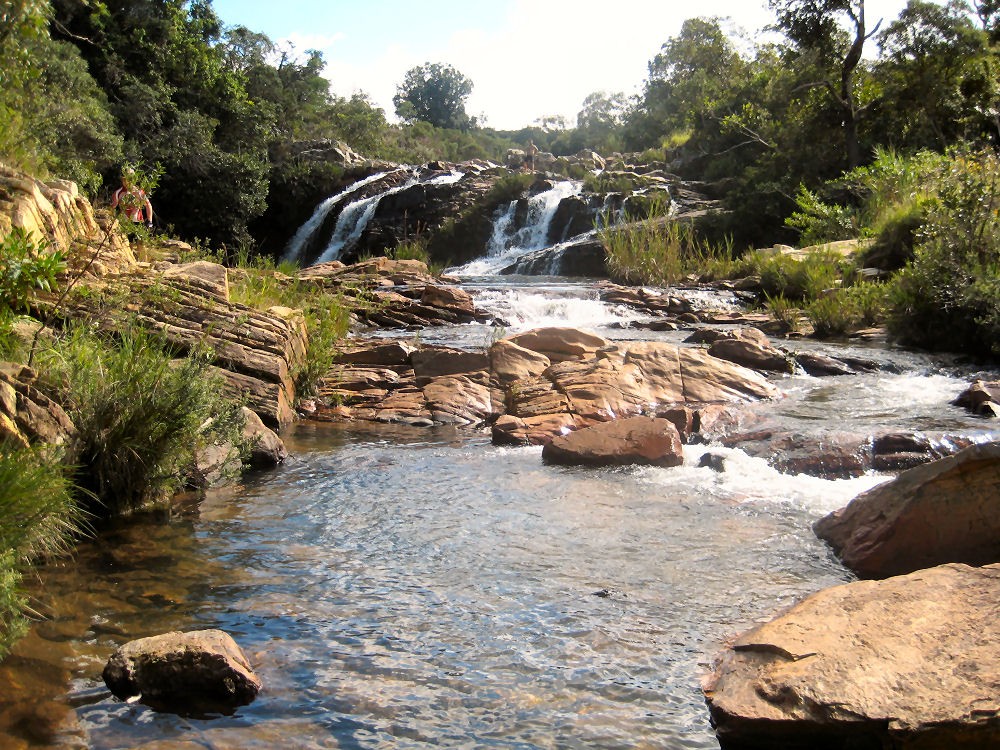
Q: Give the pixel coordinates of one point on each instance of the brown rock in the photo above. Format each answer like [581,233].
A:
[944,511]
[456,399]
[982,397]
[181,670]
[750,347]
[909,662]
[432,362]
[28,416]
[510,362]
[266,448]
[210,278]
[819,365]
[383,355]
[637,440]
[448,297]
[559,344]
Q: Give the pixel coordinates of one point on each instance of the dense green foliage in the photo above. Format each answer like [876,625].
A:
[436,94]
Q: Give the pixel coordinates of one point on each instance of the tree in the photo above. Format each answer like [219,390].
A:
[436,94]
[938,76]
[815,26]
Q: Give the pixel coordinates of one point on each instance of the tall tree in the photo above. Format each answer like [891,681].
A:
[816,26]
[434,93]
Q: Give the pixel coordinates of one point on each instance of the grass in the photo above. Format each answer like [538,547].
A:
[140,414]
[38,516]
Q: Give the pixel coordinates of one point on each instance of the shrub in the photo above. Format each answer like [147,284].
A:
[140,415]
[833,314]
[37,518]
[819,222]
[948,298]
[783,311]
[26,266]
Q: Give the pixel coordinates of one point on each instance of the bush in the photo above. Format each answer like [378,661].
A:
[37,518]
[26,266]
[140,415]
[948,298]
[802,280]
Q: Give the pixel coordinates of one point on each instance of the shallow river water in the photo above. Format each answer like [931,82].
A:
[403,588]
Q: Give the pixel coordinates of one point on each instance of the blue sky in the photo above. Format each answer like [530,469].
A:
[526,58]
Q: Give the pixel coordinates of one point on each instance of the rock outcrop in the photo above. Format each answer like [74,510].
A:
[27,416]
[203,669]
[534,385]
[643,441]
[56,213]
[908,662]
[944,511]
[255,352]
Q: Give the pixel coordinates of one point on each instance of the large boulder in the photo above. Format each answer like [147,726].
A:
[183,671]
[751,348]
[944,511]
[645,441]
[908,662]
[982,398]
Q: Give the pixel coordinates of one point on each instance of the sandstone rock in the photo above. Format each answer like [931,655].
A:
[909,662]
[448,298]
[559,344]
[28,416]
[431,362]
[510,362]
[266,448]
[751,348]
[180,671]
[944,511]
[458,399]
[637,440]
[381,354]
[982,397]
[210,278]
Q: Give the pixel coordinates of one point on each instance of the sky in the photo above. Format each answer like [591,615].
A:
[527,59]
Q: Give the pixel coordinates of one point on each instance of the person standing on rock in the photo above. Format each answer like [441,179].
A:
[529,157]
[132,200]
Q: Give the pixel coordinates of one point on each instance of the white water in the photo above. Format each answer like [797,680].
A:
[294,248]
[508,243]
[354,219]
[523,309]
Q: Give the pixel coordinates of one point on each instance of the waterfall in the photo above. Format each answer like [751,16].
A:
[508,242]
[354,219]
[305,233]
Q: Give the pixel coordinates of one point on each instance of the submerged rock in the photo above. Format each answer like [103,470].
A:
[200,670]
[646,441]
[909,662]
[944,511]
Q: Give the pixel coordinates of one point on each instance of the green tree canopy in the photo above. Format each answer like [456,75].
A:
[434,93]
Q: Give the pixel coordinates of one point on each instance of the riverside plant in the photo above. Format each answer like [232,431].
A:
[38,517]
[140,415]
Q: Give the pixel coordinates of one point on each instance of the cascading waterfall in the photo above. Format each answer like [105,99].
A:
[305,233]
[354,219]
[507,242]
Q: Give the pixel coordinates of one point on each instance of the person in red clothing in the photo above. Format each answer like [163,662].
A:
[132,200]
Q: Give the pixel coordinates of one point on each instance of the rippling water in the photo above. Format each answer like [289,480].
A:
[401,589]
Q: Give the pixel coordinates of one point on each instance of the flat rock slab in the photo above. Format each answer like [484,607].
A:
[183,671]
[909,663]
[944,511]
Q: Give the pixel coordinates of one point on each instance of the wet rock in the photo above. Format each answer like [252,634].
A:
[944,511]
[751,353]
[266,448]
[831,455]
[820,365]
[183,671]
[909,662]
[713,461]
[982,398]
[644,441]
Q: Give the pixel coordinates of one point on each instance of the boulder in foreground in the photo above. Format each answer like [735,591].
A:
[647,441]
[905,663]
[200,670]
[944,511]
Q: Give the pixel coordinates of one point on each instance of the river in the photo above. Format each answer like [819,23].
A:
[418,587]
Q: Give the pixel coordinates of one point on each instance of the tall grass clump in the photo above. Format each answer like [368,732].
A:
[140,414]
[948,297]
[658,250]
[38,516]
